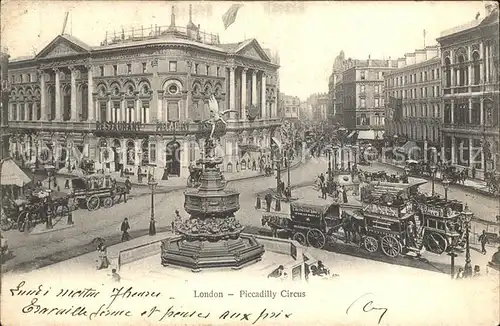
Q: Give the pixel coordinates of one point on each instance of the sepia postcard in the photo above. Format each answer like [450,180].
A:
[249,163]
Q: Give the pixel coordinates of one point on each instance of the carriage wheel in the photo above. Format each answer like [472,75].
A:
[435,243]
[370,244]
[300,238]
[316,238]
[6,224]
[93,203]
[107,202]
[390,246]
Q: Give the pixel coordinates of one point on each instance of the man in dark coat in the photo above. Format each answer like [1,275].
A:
[344,194]
[484,240]
[269,200]
[128,184]
[152,227]
[124,228]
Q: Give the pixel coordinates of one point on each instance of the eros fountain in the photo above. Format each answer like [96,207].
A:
[211,237]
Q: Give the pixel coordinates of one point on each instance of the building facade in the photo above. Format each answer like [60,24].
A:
[363,106]
[290,107]
[4,104]
[335,111]
[413,100]
[139,99]
[318,105]
[470,69]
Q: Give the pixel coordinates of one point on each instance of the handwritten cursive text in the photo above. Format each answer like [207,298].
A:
[367,306]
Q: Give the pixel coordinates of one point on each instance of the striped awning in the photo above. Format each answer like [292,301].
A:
[11,174]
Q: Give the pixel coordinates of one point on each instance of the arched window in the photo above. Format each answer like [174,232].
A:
[462,71]
[447,71]
[67,103]
[85,103]
[475,68]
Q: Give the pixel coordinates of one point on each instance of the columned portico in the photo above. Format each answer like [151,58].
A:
[74,115]
[58,95]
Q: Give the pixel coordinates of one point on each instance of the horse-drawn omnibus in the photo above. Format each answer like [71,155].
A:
[92,191]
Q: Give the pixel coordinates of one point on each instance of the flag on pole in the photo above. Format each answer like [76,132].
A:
[230,16]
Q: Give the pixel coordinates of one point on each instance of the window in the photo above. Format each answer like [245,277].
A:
[437,91]
[406,94]
[362,88]
[381,101]
[21,78]
[173,111]
[129,68]
[172,66]
[376,102]
[152,153]
[196,68]
[377,89]
[208,70]
[425,75]
[218,71]
[144,67]
[362,75]
[29,78]
[115,70]
[380,75]
[437,73]
[362,103]
[421,76]
[406,80]
[101,71]
[173,89]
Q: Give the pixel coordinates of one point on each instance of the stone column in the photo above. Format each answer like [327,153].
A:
[109,116]
[232,95]
[43,95]
[470,110]
[458,76]
[18,114]
[138,110]
[74,114]
[452,111]
[159,111]
[58,95]
[26,111]
[263,108]
[90,88]
[481,63]
[254,87]
[481,112]
[470,152]
[244,94]
[123,109]
[453,150]
[487,62]
[453,75]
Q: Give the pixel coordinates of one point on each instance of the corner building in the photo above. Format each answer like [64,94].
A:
[138,99]
[470,65]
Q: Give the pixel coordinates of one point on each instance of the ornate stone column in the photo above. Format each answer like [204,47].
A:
[74,114]
[43,95]
[470,109]
[159,112]
[263,109]
[138,109]
[90,88]
[123,108]
[481,111]
[254,87]
[232,95]
[452,118]
[109,117]
[58,95]
[244,94]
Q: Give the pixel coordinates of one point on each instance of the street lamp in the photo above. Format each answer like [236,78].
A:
[33,170]
[468,218]
[446,184]
[152,185]
[433,171]
[335,149]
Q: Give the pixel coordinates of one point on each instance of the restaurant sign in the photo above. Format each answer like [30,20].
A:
[118,126]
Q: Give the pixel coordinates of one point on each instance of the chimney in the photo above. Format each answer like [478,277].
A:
[190,13]
[420,55]
[369,61]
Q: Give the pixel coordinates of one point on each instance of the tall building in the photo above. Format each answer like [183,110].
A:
[362,96]
[470,65]
[290,107]
[335,88]
[138,99]
[413,101]
[318,105]
[4,104]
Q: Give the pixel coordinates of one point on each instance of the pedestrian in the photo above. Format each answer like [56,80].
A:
[115,276]
[477,271]
[128,184]
[66,184]
[269,200]
[102,252]
[344,194]
[460,274]
[124,228]
[152,227]
[258,205]
[323,191]
[473,172]
[139,174]
[483,238]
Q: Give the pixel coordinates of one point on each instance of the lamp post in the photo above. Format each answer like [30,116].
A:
[334,154]
[446,184]
[33,170]
[433,172]
[468,218]
[152,185]
[341,132]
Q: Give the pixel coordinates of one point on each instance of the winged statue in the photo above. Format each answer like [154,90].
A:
[215,114]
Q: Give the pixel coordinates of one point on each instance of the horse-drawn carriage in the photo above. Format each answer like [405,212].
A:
[389,220]
[36,208]
[92,191]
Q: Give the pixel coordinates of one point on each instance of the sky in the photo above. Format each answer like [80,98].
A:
[308,35]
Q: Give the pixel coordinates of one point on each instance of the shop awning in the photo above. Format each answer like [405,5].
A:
[12,175]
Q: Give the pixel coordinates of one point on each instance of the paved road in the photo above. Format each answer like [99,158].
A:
[35,250]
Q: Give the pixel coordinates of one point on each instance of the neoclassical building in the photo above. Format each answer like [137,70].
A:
[470,64]
[416,83]
[138,98]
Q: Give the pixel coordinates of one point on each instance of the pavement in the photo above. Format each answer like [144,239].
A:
[33,251]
